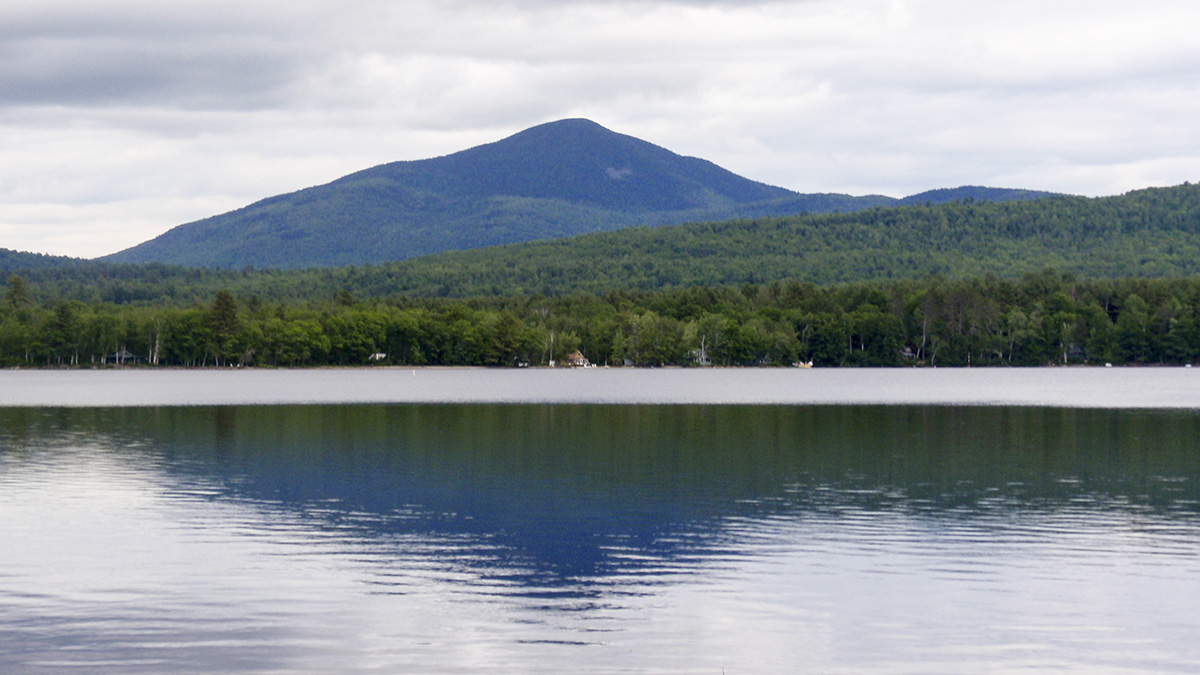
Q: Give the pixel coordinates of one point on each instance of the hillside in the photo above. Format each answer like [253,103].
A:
[19,260]
[1153,233]
[552,181]
[1146,233]
[975,193]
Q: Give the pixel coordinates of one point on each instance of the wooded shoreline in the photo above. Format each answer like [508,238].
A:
[1047,318]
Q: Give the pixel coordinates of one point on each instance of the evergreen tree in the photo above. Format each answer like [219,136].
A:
[223,322]
[16,295]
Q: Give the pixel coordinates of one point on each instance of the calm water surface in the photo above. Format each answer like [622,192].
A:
[1067,387]
[603,538]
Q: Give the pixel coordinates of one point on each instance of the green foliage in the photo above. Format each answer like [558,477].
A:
[1045,318]
[18,260]
[16,295]
[223,324]
[971,193]
[933,285]
[1150,233]
[1156,234]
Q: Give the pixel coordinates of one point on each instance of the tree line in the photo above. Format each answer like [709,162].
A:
[1047,318]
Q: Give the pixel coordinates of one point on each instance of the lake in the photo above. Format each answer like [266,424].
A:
[1063,387]
[622,521]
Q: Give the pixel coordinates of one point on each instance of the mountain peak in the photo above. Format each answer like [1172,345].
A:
[566,124]
[581,162]
[554,180]
[561,129]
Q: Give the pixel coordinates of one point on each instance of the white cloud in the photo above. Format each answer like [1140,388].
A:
[128,117]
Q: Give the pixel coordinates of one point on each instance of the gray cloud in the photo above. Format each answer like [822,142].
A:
[110,72]
[123,53]
[121,119]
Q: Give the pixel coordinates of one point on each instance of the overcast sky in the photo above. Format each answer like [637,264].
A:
[123,118]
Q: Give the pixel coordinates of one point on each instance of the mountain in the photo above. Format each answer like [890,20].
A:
[551,181]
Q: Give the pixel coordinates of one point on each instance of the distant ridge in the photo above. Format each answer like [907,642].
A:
[1143,234]
[972,193]
[552,181]
[19,260]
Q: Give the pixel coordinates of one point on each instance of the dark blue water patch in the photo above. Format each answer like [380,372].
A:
[562,496]
[546,538]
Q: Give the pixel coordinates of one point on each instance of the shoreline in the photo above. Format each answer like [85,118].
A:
[148,368]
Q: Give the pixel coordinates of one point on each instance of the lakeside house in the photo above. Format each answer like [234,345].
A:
[122,357]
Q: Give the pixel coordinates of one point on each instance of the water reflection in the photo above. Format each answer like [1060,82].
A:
[530,530]
[556,494]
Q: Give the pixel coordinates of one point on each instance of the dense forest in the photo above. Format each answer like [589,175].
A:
[1148,233]
[930,284]
[20,260]
[1039,319]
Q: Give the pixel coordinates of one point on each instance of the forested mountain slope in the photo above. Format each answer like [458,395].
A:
[19,260]
[552,181]
[974,193]
[1147,233]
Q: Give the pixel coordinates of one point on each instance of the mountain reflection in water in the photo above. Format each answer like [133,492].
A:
[571,508]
